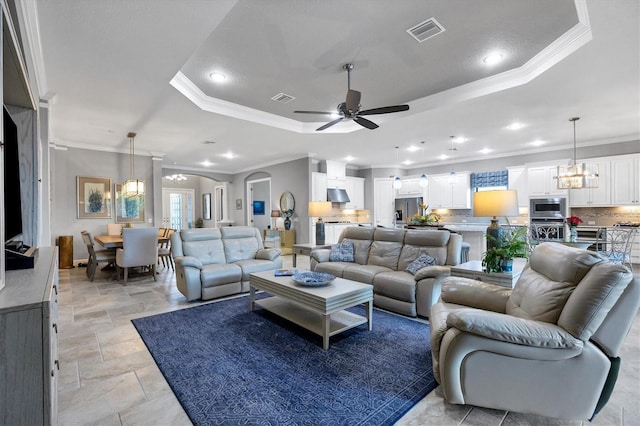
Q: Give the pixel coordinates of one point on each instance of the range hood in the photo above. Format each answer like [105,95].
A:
[337,195]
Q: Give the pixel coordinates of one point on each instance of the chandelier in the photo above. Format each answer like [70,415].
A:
[176,177]
[132,187]
[577,176]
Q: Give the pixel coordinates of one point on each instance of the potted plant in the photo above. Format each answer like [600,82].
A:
[512,243]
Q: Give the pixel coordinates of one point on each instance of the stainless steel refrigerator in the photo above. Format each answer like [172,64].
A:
[406,208]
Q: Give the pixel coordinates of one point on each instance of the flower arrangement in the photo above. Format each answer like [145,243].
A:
[424,218]
[573,221]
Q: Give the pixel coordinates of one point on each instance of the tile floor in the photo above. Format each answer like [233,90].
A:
[107,376]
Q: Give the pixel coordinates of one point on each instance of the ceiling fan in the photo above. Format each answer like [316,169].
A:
[350,108]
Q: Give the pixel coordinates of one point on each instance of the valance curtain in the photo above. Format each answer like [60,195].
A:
[489,179]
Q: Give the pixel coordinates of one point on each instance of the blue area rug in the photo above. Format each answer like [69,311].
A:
[229,366]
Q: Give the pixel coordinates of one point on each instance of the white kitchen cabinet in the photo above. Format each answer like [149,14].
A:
[449,192]
[542,182]
[318,186]
[594,197]
[625,180]
[410,188]
[336,183]
[518,182]
[355,190]
[335,170]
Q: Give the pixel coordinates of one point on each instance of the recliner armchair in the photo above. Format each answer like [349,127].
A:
[549,346]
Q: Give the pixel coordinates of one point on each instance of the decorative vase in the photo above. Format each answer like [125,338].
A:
[287,223]
[573,234]
[506,265]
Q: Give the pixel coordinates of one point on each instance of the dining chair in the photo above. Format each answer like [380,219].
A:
[619,242]
[96,256]
[139,249]
[164,250]
[540,233]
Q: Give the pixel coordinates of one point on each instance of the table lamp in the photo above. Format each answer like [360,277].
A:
[319,209]
[275,214]
[495,203]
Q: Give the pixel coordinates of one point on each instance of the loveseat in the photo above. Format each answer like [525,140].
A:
[550,346]
[216,262]
[381,257]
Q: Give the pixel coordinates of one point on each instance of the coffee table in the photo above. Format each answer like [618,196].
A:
[320,310]
[473,270]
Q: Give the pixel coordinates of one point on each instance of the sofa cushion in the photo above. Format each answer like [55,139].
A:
[398,285]
[342,252]
[361,238]
[422,261]
[240,242]
[333,268]
[204,244]
[217,274]
[363,273]
[254,265]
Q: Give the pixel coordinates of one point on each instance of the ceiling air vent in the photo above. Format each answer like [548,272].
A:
[282,97]
[425,30]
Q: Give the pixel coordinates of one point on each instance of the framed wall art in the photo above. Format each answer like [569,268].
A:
[93,197]
[206,206]
[128,209]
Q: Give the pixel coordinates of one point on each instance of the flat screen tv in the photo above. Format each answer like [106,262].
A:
[12,201]
[258,207]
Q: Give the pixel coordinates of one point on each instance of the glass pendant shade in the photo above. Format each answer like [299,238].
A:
[424,180]
[397,182]
[577,176]
[132,187]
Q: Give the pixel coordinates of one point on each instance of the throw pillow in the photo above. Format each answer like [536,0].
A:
[342,252]
[422,261]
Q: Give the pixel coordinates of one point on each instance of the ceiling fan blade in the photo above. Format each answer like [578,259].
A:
[385,110]
[353,100]
[314,112]
[329,124]
[366,123]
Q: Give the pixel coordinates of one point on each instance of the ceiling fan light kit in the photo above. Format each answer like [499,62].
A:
[350,108]
[577,176]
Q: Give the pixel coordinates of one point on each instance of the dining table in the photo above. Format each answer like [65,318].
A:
[115,241]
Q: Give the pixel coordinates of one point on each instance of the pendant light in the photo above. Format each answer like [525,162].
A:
[397,182]
[452,173]
[132,187]
[424,179]
[577,176]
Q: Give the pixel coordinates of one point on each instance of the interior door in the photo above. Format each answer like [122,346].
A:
[383,202]
[177,208]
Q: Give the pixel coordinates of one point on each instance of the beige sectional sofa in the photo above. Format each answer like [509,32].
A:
[216,262]
[381,257]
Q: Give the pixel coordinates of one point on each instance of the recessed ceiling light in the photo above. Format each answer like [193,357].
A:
[229,155]
[407,162]
[537,143]
[207,163]
[460,139]
[218,77]
[485,151]
[349,158]
[493,58]
[443,157]
[515,126]
[412,148]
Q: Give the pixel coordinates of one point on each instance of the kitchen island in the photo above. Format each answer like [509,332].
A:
[474,234]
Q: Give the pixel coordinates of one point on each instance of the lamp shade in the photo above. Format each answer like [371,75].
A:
[319,208]
[495,203]
[275,213]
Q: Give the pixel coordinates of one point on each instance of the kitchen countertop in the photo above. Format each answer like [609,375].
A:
[465,227]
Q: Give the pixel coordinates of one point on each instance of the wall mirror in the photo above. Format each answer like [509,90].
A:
[287,203]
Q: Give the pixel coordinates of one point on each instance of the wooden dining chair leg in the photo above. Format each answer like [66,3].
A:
[153,272]
[126,275]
